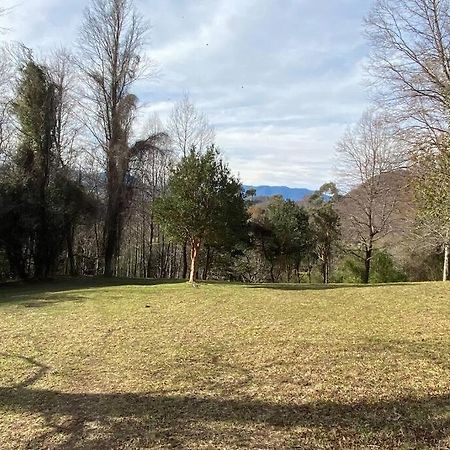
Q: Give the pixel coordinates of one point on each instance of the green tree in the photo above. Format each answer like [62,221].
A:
[283,234]
[39,203]
[35,107]
[433,194]
[203,203]
[290,223]
[385,270]
[325,224]
[250,195]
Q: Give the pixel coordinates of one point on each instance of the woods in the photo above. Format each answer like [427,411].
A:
[90,187]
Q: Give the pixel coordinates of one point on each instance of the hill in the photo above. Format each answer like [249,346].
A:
[288,193]
[129,366]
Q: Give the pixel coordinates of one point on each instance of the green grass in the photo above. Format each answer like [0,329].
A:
[95,366]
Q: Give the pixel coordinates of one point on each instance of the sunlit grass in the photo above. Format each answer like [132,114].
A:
[224,366]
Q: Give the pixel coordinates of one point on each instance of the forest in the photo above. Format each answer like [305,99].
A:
[88,188]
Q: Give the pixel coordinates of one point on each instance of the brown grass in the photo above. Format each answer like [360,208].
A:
[97,366]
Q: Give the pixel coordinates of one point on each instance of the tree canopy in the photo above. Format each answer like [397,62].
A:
[203,203]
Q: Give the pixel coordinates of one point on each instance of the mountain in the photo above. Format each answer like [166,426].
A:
[288,193]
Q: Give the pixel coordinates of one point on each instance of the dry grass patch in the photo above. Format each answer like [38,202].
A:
[93,366]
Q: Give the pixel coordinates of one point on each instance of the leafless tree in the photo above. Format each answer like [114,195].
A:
[410,41]
[188,127]
[370,165]
[111,59]
[410,59]
[7,66]
[5,77]
[149,252]
[5,128]
[63,73]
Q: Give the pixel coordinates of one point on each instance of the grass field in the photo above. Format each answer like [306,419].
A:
[92,366]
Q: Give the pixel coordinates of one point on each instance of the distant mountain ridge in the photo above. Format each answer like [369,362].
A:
[295,194]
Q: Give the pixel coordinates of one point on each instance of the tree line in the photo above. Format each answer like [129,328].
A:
[86,189]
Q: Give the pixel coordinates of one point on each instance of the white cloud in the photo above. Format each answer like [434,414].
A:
[279,80]
[277,155]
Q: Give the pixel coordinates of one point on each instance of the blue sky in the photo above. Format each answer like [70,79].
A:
[280,80]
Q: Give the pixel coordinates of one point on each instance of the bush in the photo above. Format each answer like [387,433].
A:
[349,270]
[384,269]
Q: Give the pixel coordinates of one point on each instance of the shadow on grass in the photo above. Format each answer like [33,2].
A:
[62,298]
[319,287]
[148,420]
[19,291]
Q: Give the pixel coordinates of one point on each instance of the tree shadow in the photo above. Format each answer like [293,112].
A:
[61,298]
[321,287]
[15,292]
[11,292]
[149,420]
[39,369]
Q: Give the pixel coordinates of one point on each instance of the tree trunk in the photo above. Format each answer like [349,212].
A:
[367,263]
[70,252]
[111,235]
[195,247]
[297,271]
[162,255]
[446,262]
[272,275]
[185,261]
[150,250]
[207,263]
[143,263]
[174,265]
[116,187]
[17,261]
[326,270]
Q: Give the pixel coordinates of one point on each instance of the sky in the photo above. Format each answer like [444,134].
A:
[280,80]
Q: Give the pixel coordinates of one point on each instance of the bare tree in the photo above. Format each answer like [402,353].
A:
[368,156]
[409,55]
[410,41]
[6,129]
[188,127]
[6,71]
[111,60]
[68,126]
[150,173]
[5,68]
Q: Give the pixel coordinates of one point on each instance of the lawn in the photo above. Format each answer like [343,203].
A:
[87,365]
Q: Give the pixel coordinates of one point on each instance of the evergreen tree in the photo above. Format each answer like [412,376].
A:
[35,109]
[292,241]
[325,223]
[39,203]
[203,204]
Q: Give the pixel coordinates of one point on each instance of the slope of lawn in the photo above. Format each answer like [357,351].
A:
[97,366]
